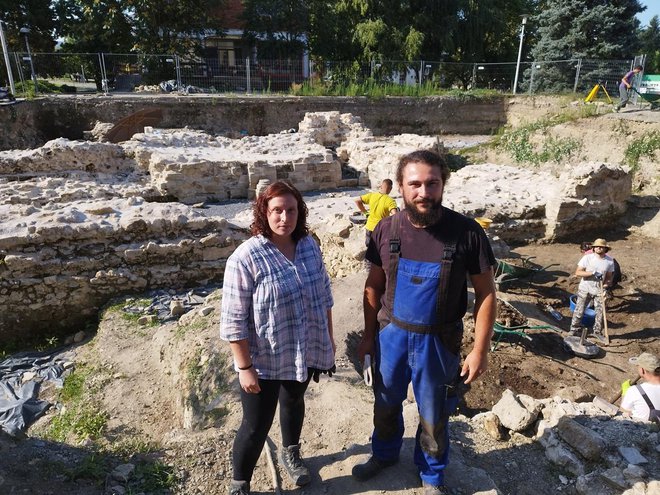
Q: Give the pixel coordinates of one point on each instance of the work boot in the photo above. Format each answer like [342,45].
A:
[290,460]
[434,490]
[600,337]
[369,469]
[239,488]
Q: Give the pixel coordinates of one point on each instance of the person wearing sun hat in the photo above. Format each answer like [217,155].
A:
[594,268]
[634,403]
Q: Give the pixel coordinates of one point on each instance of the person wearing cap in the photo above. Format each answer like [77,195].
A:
[633,403]
[595,269]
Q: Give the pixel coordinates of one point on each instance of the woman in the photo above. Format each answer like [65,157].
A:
[277,317]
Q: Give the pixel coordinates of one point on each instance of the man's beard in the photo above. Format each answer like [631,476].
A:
[424,219]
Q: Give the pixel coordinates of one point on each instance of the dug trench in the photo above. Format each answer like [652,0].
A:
[157,406]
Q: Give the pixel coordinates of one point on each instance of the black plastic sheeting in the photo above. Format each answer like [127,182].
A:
[20,405]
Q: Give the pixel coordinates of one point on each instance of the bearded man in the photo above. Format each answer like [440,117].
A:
[415,297]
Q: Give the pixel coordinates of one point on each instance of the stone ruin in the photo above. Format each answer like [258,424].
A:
[84,221]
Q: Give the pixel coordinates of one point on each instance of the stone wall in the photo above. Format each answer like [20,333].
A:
[31,123]
[60,263]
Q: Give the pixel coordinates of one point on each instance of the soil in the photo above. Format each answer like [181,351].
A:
[143,381]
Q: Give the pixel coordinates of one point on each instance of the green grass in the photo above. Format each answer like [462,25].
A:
[645,146]
[26,88]
[376,90]
[518,142]
[81,417]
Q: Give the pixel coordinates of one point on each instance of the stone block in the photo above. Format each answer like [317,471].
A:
[585,441]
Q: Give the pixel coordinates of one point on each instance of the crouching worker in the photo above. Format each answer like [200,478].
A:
[642,401]
[276,315]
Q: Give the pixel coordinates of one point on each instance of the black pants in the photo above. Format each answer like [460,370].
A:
[258,413]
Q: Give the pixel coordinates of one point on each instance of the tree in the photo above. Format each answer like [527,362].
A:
[94,26]
[591,29]
[37,15]
[650,45]
[173,26]
[278,27]
[146,26]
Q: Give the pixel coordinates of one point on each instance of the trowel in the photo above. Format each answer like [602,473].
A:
[580,346]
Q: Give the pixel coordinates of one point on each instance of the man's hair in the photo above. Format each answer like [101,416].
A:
[639,67]
[423,156]
[260,210]
[388,182]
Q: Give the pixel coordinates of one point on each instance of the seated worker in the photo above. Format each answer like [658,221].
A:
[634,403]
[380,204]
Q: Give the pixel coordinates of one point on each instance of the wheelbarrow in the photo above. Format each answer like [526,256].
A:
[511,322]
[508,273]
[649,96]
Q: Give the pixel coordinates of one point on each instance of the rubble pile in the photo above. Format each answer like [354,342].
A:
[595,451]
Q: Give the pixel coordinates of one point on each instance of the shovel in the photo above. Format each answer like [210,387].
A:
[603,301]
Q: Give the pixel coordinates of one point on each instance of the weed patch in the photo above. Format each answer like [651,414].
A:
[646,145]
[517,143]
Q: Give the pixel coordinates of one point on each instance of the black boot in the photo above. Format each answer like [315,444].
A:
[290,460]
[239,488]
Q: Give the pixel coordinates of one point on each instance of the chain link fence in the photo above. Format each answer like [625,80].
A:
[111,72]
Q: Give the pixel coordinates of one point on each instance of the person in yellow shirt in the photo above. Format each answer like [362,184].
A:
[380,206]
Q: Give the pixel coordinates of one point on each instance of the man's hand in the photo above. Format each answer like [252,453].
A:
[366,346]
[474,366]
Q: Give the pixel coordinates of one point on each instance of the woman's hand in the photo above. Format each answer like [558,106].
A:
[249,381]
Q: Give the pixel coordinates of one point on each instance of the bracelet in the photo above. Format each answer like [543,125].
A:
[246,368]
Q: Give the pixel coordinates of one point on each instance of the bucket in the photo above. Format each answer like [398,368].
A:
[484,222]
[589,316]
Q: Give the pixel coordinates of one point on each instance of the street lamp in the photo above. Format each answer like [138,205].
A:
[25,31]
[522,36]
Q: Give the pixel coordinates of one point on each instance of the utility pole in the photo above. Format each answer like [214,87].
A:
[5,52]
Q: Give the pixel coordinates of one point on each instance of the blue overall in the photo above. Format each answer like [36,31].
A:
[413,348]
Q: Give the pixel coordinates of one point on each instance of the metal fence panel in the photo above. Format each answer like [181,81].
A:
[111,72]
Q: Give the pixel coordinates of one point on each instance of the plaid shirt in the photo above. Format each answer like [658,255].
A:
[279,306]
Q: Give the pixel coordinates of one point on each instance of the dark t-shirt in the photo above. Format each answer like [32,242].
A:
[473,253]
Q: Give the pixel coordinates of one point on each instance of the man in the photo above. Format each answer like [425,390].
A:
[626,85]
[415,297]
[596,269]
[634,403]
[380,205]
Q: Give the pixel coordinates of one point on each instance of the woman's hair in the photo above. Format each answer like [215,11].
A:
[260,210]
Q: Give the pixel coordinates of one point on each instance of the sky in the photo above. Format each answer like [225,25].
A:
[652,8]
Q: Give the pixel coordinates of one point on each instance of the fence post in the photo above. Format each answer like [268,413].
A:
[577,75]
[177,68]
[531,78]
[19,65]
[371,64]
[248,88]
[474,76]
[421,72]
[104,74]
